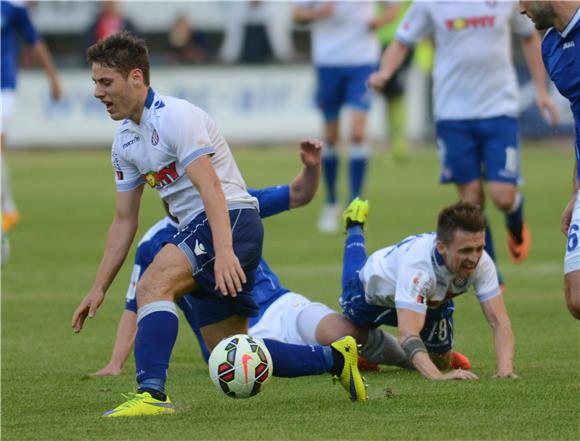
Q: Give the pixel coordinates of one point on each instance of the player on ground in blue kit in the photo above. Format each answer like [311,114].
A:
[561,54]
[178,150]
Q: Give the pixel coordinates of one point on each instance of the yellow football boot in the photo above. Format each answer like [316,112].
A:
[350,378]
[141,404]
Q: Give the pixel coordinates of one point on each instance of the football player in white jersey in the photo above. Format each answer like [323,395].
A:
[475,99]
[345,51]
[397,285]
[177,149]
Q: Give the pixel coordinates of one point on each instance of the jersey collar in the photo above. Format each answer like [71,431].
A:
[571,25]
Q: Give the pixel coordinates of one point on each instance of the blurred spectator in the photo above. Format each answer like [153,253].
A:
[257,32]
[186,44]
[109,20]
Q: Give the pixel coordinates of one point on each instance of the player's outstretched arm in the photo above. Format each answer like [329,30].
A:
[392,59]
[410,325]
[303,187]
[531,46]
[503,337]
[229,274]
[43,53]
[126,331]
[119,239]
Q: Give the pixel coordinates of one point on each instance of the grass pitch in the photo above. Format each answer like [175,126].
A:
[66,200]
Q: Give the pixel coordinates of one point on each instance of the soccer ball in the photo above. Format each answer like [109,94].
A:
[240,365]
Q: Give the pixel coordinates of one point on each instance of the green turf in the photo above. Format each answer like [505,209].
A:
[66,199]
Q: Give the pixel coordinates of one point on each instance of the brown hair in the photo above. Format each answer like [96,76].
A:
[122,51]
[460,216]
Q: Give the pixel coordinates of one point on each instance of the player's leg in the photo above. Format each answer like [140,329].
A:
[502,167]
[572,263]
[329,99]
[358,98]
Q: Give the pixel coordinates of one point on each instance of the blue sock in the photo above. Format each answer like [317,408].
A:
[489,248]
[330,164]
[355,254]
[157,326]
[299,360]
[515,218]
[357,166]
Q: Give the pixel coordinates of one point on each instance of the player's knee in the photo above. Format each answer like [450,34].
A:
[503,196]
[572,292]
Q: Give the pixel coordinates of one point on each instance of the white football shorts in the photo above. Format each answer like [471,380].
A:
[7,104]
[280,321]
[572,258]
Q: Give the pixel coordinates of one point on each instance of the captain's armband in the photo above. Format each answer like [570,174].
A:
[413,345]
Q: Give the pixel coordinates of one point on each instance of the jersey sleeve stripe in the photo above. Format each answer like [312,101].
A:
[200,152]
[412,306]
[488,295]
[131,185]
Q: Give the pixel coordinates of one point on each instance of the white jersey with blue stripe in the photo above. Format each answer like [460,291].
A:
[561,54]
[474,76]
[171,135]
[412,275]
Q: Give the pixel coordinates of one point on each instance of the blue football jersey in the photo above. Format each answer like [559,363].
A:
[561,54]
[15,23]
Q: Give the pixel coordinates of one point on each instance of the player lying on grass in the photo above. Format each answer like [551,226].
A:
[397,285]
[284,315]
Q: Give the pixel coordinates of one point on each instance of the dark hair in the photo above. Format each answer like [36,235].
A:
[460,216]
[122,51]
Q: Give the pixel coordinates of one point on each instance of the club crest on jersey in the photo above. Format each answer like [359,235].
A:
[163,177]
[154,137]
[460,24]
[460,282]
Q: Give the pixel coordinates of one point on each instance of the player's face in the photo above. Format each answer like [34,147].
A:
[541,13]
[463,253]
[120,95]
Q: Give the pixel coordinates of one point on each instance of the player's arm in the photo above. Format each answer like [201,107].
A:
[43,53]
[303,187]
[531,46]
[229,274]
[391,61]
[388,14]
[121,234]
[503,337]
[126,331]
[305,14]
[567,213]
[410,325]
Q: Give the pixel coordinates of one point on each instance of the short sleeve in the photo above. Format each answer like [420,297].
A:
[187,132]
[486,282]
[521,24]
[414,287]
[127,176]
[272,200]
[25,26]
[416,25]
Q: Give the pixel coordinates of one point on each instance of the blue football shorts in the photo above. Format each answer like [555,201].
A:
[195,240]
[437,333]
[479,148]
[343,85]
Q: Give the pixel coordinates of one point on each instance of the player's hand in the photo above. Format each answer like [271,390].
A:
[108,370]
[311,152]
[326,10]
[87,308]
[378,80]
[511,375]
[229,275]
[567,216]
[547,108]
[459,374]
[56,91]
